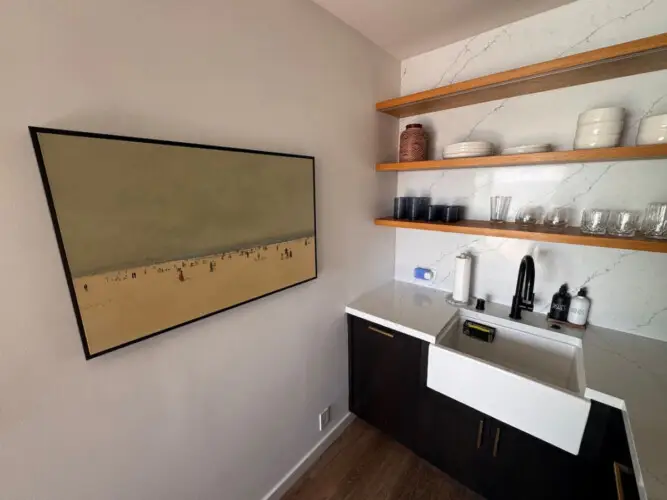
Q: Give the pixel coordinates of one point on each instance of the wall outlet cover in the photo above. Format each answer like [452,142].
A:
[325,417]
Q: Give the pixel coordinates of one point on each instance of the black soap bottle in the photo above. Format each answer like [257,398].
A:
[560,304]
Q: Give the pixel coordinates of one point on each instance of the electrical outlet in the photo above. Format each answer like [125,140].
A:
[325,417]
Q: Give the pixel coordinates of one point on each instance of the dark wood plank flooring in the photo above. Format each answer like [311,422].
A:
[365,464]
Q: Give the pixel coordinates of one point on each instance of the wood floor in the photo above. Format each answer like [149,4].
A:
[364,464]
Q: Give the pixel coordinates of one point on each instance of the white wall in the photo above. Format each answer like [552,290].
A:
[223,408]
[627,288]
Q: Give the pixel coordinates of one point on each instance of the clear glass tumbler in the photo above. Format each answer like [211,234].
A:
[500,206]
[655,221]
[594,221]
[623,223]
[528,216]
[557,218]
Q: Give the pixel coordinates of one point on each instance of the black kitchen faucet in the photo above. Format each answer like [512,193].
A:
[524,297]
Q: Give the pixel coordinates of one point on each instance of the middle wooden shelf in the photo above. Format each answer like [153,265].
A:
[571,235]
[650,152]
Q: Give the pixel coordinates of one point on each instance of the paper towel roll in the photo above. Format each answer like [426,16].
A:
[462,278]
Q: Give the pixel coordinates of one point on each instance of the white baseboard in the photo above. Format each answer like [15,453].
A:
[309,459]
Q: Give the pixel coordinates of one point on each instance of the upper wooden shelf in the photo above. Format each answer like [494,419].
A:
[625,59]
[651,152]
[571,235]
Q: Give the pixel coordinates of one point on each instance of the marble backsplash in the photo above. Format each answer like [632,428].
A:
[628,289]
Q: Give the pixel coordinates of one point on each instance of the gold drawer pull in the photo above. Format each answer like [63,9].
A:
[480,430]
[495,443]
[377,330]
[618,469]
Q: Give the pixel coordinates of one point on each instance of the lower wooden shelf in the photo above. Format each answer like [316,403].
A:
[571,235]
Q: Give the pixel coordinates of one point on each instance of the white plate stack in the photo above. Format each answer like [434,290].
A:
[530,148]
[599,128]
[653,130]
[468,149]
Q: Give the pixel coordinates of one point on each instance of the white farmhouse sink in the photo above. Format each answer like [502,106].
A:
[528,380]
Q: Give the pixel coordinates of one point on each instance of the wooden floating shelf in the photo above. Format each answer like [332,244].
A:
[571,235]
[651,152]
[625,59]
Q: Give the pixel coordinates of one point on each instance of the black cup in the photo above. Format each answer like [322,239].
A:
[450,213]
[417,207]
[411,208]
[434,213]
[400,208]
[423,203]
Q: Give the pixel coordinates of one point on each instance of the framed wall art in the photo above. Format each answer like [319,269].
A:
[157,234]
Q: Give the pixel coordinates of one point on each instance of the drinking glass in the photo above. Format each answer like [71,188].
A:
[434,213]
[655,221]
[450,213]
[400,207]
[556,219]
[623,223]
[594,221]
[499,207]
[418,207]
[528,216]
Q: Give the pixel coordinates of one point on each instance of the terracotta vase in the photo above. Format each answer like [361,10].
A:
[412,144]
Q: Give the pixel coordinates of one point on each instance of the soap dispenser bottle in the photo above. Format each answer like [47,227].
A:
[579,307]
[560,304]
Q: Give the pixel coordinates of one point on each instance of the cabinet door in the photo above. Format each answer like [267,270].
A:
[457,436]
[615,478]
[384,378]
[525,467]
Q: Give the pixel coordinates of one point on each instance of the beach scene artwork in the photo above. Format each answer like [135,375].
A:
[154,235]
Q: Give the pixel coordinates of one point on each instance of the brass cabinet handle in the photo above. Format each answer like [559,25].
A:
[377,330]
[618,469]
[495,443]
[480,430]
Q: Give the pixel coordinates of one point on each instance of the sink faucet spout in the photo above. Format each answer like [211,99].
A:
[524,297]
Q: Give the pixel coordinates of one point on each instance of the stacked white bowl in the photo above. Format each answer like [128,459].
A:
[599,128]
[653,130]
[466,149]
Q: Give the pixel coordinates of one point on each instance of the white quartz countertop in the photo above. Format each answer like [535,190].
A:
[623,370]
[414,310]
[630,372]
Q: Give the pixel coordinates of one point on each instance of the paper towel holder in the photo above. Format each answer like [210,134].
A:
[450,300]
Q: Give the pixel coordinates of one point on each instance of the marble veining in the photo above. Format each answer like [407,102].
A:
[627,288]
[592,24]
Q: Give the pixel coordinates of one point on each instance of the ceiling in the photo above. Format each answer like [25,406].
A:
[405,28]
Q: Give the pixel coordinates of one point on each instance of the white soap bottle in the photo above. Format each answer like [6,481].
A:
[579,307]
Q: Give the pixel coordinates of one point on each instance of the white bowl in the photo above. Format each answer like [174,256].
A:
[596,141]
[652,136]
[653,122]
[600,128]
[602,115]
[652,130]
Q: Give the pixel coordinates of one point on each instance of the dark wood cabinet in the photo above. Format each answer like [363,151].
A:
[525,467]
[388,389]
[612,476]
[385,378]
[492,458]
[453,437]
